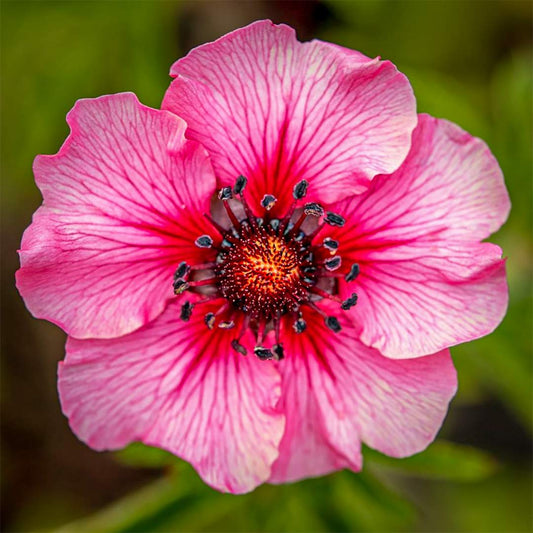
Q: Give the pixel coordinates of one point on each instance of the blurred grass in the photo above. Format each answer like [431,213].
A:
[469,62]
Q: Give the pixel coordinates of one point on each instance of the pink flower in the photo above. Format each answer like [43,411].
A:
[351,249]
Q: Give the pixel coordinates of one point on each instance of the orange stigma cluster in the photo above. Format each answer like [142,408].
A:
[266,268]
[262,274]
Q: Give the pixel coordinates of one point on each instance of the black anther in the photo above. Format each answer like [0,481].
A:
[333,324]
[334,220]
[354,272]
[239,348]
[240,184]
[333,263]
[186,311]
[275,223]
[300,325]
[205,241]
[180,286]
[313,209]
[278,352]
[182,270]
[268,201]
[209,320]
[263,353]
[349,302]
[224,193]
[331,244]
[300,189]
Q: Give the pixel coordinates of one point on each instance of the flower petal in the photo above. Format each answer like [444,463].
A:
[357,395]
[123,204]
[278,111]
[305,450]
[181,387]
[426,282]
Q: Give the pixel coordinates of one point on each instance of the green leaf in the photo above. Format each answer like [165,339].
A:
[138,454]
[442,460]
[365,504]
[132,510]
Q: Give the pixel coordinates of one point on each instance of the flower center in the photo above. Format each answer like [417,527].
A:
[262,273]
[265,268]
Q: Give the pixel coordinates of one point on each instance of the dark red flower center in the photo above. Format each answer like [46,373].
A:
[262,274]
[266,268]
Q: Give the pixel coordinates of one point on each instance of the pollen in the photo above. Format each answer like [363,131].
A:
[262,273]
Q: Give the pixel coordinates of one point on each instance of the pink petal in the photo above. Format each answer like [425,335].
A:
[278,111]
[426,282]
[181,387]
[123,203]
[305,450]
[357,395]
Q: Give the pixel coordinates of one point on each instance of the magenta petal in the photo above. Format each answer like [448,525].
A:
[306,450]
[180,387]
[123,204]
[278,111]
[426,281]
[338,393]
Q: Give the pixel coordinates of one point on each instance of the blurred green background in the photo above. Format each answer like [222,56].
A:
[469,62]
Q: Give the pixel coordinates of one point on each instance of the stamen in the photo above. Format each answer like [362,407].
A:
[240,184]
[300,190]
[349,302]
[318,229]
[300,325]
[333,324]
[278,352]
[249,214]
[333,264]
[354,272]
[261,331]
[263,353]
[235,343]
[268,201]
[298,223]
[225,194]
[205,241]
[324,294]
[334,220]
[313,209]
[180,286]
[313,306]
[238,347]
[186,311]
[227,243]
[227,325]
[331,244]
[209,320]
[203,282]
[234,220]
[182,270]
[203,266]
[300,236]
[218,227]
